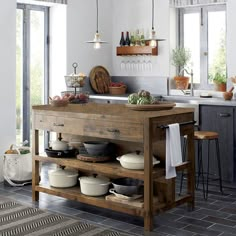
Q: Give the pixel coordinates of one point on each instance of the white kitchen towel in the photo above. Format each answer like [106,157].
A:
[173,150]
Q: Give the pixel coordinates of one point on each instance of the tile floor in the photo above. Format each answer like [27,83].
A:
[216,216]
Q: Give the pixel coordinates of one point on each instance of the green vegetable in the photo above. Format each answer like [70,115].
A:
[153,100]
[143,100]
[133,98]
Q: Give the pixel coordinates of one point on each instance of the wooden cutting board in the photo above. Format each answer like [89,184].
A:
[136,202]
[100,79]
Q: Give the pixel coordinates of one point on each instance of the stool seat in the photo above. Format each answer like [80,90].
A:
[200,135]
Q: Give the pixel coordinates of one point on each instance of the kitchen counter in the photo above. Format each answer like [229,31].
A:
[174,98]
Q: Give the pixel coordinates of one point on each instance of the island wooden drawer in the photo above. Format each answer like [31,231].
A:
[49,122]
[104,129]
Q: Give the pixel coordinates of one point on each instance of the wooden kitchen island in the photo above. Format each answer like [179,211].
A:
[129,130]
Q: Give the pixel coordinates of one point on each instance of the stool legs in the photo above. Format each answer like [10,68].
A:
[219,165]
[200,171]
[184,157]
[200,166]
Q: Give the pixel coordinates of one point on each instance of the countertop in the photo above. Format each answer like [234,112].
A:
[174,98]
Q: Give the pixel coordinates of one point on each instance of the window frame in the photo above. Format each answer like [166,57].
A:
[203,11]
[26,8]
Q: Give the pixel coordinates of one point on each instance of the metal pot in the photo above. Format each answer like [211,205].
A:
[127,186]
[94,186]
[134,161]
[59,145]
[60,178]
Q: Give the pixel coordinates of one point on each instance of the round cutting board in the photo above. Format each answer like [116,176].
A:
[99,79]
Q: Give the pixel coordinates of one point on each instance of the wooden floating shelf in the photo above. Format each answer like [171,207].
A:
[137,50]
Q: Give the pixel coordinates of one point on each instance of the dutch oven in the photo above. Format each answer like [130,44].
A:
[134,160]
[60,178]
[94,185]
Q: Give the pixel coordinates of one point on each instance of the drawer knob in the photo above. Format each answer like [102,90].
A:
[113,130]
[55,124]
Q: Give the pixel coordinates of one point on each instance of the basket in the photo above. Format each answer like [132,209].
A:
[59,103]
[117,90]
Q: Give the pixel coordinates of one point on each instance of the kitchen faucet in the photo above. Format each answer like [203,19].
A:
[191,74]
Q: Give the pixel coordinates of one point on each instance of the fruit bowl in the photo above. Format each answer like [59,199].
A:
[80,97]
[59,103]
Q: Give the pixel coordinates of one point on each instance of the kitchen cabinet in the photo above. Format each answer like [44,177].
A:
[220,119]
[129,130]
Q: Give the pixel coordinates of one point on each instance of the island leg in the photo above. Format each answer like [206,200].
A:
[148,176]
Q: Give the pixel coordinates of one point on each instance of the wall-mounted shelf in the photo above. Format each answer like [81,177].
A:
[138,50]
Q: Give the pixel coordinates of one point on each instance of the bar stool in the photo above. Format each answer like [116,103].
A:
[199,137]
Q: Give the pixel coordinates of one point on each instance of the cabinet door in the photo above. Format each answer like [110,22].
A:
[220,119]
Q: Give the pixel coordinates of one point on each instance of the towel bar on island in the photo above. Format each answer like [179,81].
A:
[184,123]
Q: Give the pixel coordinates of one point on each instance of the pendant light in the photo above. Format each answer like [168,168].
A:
[153,39]
[153,42]
[97,40]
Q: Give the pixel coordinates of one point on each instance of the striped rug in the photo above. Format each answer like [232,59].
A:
[19,220]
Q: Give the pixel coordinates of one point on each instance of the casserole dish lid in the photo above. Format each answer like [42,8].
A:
[94,180]
[61,172]
[134,157]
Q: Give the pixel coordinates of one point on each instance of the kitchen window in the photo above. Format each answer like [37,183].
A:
[31,64]
[203,31]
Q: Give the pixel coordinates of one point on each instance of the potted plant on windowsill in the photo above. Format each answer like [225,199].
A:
[220,80]
[180,58]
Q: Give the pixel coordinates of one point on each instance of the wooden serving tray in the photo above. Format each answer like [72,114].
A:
[151,107]
[86,157]
[100,79]
[136,203]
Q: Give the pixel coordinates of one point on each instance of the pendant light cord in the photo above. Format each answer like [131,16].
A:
[152,14]
[97,14]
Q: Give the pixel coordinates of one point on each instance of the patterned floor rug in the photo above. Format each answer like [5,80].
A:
[19,220]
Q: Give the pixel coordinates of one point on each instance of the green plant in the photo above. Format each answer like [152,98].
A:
[180,58]
[219,78]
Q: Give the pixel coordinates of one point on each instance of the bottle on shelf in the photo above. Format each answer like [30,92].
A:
[132,39]
[142,38]
[122,39]
[127,39]
[137,38]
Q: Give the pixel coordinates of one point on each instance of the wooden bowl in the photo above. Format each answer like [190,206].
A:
[117,90]
[227,95]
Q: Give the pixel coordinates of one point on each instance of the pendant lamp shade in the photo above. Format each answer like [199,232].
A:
[97,40]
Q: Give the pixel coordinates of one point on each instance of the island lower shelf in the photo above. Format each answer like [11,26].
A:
[75,194]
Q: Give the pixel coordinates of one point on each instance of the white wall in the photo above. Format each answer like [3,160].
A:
[137,14]
[57,49]
[7,74]
[114,17]
[231,38]
[81,27]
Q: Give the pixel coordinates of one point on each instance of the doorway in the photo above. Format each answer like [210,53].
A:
[32,65]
